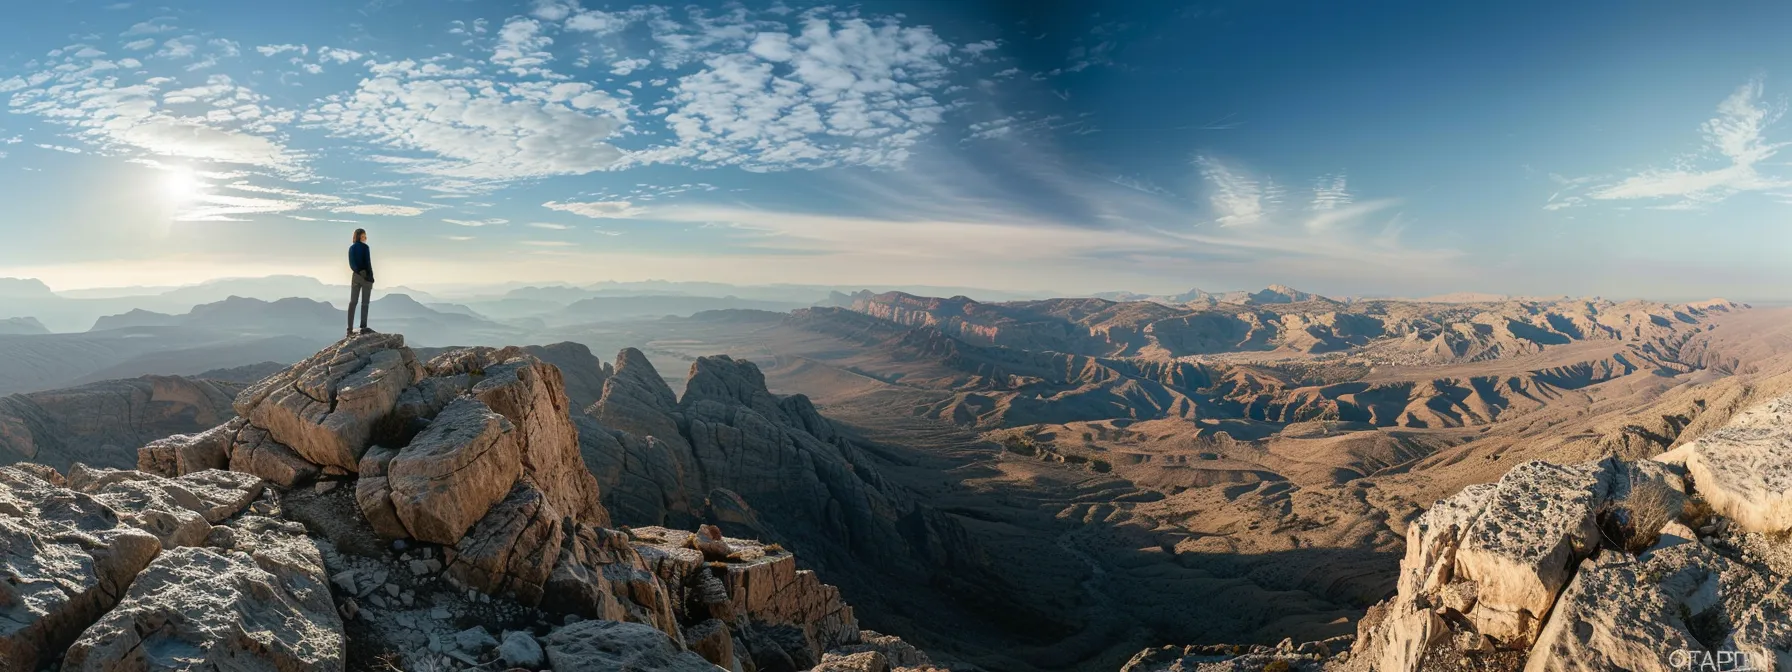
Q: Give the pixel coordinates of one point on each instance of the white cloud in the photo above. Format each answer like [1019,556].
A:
[550,226]
[852,94]
[1237,197]
[596,209]
[479,129]
[140,45]
[477,222]
[277,49]
[1329,193]
[522,48]
[625,66]
[338,55]
[150,27]
[377,209]
[1735,138]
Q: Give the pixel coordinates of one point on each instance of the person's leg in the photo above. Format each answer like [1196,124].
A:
[366,300]
[354,292]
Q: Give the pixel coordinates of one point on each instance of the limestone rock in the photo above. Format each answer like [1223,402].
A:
[221,493]
[329,407]
[155,508]
[600,575]
[863,661]
[257,452]
[64,559]
[1521,550]
[198,607]
[373,493]
[762,587]
[1626,613]
[1745,469]
[614,645]
[512,549]
[187,453]
[531,395]
[454,471]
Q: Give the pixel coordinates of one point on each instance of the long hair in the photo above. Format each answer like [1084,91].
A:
[357,236]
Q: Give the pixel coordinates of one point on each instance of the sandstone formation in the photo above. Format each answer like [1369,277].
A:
[371,501]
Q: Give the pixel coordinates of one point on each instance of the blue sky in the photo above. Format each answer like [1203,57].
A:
[1622,149]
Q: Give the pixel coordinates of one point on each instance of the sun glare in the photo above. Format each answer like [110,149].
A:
[181,186]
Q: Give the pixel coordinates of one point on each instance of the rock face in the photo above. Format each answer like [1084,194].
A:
[1745,469]
[271,606]
[67,558]
[1600,566]
[460,466]
[102,424]
[326,408]
[732,452]
[468,468]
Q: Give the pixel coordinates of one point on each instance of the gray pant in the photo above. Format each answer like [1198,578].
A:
[360,291]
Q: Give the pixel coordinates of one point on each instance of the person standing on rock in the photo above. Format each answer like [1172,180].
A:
[360,290]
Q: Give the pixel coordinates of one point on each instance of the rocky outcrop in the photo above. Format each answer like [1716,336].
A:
[65,559]
[102,424]
[468,470]
[1745,469]
[449,475]
[728,442]
[270,605]
[327,408]
[187,453]
[1655,565]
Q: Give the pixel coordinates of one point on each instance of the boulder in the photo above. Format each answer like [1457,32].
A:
[65,557]
[616,645]
[1625,613]
[329,407]
[512,549]
[1744,470]
[257,452]
[187,453]
[163,509]
[198,608]
[712,640]
[373,493]
[600,575]
[1538,522]
[454,471]
[863,661]
[531,394]
[520,650]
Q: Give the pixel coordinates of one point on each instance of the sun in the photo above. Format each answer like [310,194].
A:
[181,186]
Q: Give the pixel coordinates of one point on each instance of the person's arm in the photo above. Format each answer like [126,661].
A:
[368,259]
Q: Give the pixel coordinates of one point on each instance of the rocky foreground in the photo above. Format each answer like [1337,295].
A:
[370,511]
[1674,563]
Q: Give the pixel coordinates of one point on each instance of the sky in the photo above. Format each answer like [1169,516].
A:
[1623,149]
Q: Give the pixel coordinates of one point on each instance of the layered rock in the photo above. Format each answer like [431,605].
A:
[200,606]
[187,453]
[454,471]
[65,558]
[1600,566]
[327,407]
[734,453]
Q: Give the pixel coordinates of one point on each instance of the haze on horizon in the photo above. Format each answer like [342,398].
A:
[1411,149]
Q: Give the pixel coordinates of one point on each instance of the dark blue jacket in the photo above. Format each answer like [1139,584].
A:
[360,260]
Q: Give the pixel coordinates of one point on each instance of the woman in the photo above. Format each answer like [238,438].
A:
[360,289]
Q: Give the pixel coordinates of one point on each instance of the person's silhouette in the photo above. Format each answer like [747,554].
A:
[360,289]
